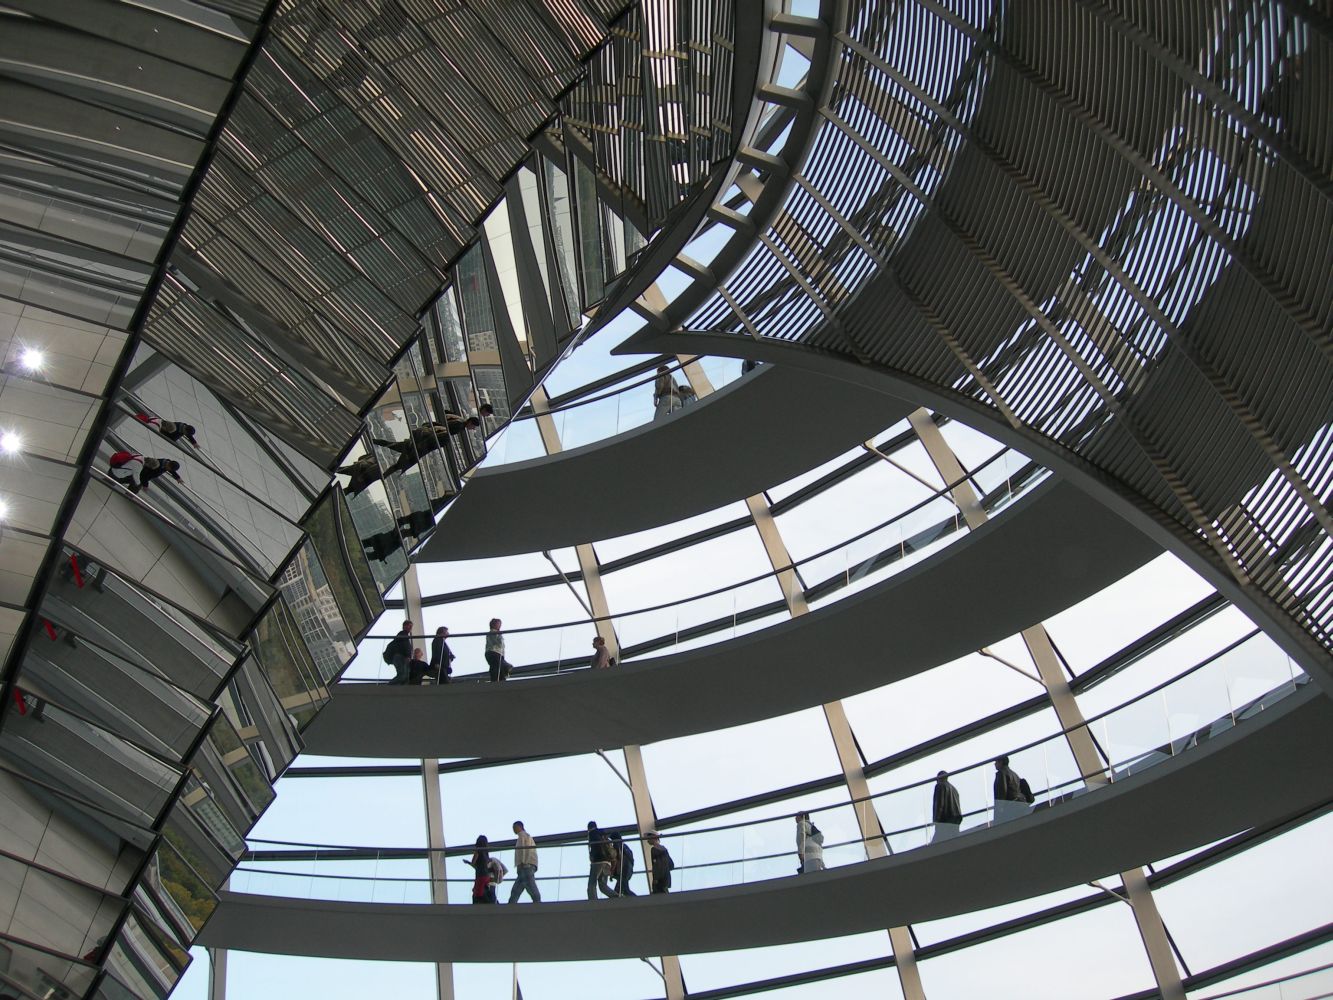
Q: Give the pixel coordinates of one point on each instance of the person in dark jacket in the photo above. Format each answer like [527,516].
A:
[660,864]
[483,886]
[1010,801]
[946,810]
[362,473]
[173,430]
[398,652]
[622,864]
[417,667]
[441,656]
[600,858]
[429,436]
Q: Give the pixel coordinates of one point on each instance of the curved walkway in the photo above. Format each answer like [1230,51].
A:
[1267,768]
[1065,545]
[759,431]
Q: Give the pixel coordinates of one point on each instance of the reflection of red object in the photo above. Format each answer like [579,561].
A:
[74,565]
[50,629]
[18,700]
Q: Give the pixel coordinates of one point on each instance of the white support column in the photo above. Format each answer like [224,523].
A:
[645,816]
[431,799]
[844,742]
[1067,712]
[217,974]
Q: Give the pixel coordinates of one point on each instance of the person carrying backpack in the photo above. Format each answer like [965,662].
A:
[1012,794]
[398,653]
[660,864]
[809,845]
[600,857]
[481,863]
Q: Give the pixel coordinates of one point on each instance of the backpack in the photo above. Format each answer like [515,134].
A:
[1025,790]
[396,645]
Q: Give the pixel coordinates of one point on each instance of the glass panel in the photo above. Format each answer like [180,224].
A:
[345,567]
[374,521]
[315,608]
[288,664]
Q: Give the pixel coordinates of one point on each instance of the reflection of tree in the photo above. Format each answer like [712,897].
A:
[323,532]
[244,770]
[186,887]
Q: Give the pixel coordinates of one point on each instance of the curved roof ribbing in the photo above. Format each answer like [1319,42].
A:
[1088,272]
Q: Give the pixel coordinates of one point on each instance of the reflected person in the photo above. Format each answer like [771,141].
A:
[172,430]
[946,809]
[135,471]
[429,436]
[361,474]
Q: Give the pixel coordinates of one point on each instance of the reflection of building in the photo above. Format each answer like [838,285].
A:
[316,612]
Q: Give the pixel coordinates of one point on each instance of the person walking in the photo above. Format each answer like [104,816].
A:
[599,863]
[809,844]
[525,865]
[361,474]
[441,656]
[666,393]
[135,471]
[1012,794]
[495,652]
[601,655]
[623,864]
[483,887]
[946,809]
[398,652]
[660,864]
[173,430]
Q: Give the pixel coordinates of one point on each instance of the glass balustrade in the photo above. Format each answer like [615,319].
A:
[1172,718]
[846,568]
[604,414]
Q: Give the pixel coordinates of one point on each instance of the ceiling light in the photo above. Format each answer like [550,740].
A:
[10,442]
[32,359]
[4,510]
